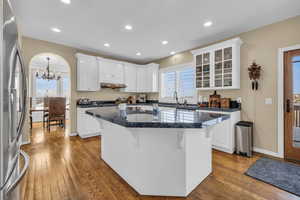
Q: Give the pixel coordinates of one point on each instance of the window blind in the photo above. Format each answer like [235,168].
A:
[186,86]
[169,82]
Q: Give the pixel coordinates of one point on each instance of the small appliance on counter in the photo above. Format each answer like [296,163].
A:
[131,100]
[215,100]
[120,100]
[235,104]
[203,104]
[84,101]
[225,102]
[142,98]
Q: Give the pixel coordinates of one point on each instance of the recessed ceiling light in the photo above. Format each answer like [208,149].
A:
[138,53]
[56,30]
[164,42]
[173,52]
[66,1]
[107,45]
[207,24]
[128,27]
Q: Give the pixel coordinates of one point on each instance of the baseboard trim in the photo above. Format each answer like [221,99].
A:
[73,134]
[223,149]
[89,135]
[267,152]
[25,142]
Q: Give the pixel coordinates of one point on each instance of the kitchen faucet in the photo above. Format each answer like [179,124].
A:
[176,98]
[184,104]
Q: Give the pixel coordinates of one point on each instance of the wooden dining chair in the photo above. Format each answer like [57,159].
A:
[57,112]
[45,110]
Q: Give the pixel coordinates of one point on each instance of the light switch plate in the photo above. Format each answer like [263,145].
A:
[268,101]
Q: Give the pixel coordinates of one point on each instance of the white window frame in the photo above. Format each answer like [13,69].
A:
[176,68]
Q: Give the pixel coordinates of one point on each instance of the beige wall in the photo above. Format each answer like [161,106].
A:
[32,47]
[262,46]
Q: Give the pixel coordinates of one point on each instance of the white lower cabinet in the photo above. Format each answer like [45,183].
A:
[87,125]
[223,138]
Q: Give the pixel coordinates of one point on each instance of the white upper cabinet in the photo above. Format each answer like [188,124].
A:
[142,80]
[110,71]
[92,71]
[218,66]
[147,78]
[87,73]
[130,77]
[152,77]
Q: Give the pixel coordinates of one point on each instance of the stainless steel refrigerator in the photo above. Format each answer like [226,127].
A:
[13,93]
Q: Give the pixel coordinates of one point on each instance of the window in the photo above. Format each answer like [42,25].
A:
[180,79]
[46,87]
[169,82]
[52,88]
[186,82]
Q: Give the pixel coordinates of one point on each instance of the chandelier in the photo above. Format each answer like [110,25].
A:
[47,75]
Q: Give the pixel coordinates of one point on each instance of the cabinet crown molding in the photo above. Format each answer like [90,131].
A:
[234,41]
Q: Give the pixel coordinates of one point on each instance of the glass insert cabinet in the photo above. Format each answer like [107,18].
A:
[218,66]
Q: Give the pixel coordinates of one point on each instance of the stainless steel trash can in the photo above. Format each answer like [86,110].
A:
[244,138]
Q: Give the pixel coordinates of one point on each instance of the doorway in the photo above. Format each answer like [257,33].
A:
[292,105]
[49,78]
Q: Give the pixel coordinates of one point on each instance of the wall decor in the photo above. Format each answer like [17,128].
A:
[254,74]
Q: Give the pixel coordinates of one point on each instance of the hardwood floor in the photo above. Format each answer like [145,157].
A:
[69,168]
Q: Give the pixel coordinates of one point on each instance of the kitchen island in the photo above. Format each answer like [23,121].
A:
[164,153]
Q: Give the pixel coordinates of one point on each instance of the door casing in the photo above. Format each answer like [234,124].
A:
[290,152]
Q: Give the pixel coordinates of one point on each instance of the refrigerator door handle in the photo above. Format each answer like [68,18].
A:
[22,173]
[23,93]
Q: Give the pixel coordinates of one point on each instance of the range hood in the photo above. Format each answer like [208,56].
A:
[112,85]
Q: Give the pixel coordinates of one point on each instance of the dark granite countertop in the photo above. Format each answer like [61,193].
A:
[170,105]
[134,117]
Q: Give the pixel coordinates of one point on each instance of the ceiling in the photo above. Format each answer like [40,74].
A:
[88,24]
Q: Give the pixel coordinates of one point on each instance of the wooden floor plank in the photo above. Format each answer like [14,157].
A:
[70,168]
